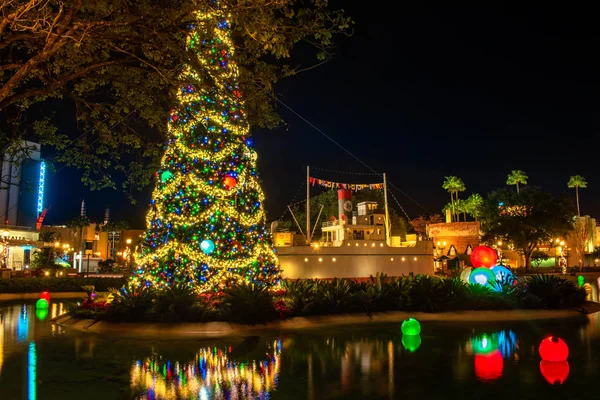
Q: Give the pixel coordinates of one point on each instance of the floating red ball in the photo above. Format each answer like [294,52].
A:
[489,367]
[554,349]
[45,296]
[555,372]
[483,256]
[229,182]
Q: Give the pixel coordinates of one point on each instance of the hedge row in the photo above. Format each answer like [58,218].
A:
[37,285]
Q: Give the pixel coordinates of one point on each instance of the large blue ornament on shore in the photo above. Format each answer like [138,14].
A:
[503,274]
[207,246]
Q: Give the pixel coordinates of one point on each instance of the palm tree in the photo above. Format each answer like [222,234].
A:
[515,177]
[452,184]
[474,203]
[577,181]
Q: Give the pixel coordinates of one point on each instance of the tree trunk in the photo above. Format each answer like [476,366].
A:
[527,262]
[517,187]
[577,196]
[451,207]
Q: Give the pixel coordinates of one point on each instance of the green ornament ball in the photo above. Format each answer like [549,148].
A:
[41,304]
[411,327]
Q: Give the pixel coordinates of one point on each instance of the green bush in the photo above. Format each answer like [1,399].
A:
[429,294]
[554,291]
[248,303]
[37,285]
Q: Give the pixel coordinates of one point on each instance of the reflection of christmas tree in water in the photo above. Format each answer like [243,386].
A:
[212,375]
[206,225]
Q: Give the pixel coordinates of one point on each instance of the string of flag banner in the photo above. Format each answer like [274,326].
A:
[338,185]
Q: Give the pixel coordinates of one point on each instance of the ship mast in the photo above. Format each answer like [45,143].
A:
[308,205]
[388,226]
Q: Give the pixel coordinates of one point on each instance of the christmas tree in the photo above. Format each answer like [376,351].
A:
[206,226]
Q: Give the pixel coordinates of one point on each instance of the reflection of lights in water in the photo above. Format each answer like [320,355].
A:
[554,372]
[489,367]
[505,341]
[1,342]
[31,372]
[211,375]
[23,324]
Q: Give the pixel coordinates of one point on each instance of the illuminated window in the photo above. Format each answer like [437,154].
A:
[379,231]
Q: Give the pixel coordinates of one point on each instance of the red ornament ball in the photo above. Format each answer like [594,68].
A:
[229,182]
[554,349]
[555,372]
[489,367]
[45,296]
[483,256]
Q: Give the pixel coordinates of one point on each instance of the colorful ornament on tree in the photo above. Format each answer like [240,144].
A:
[165,176]
[554,349]
[229,182]
[483,256]
[207,246]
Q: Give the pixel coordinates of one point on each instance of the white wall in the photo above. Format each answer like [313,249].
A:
[355,262]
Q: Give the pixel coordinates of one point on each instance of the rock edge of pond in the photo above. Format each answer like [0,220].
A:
[224,329]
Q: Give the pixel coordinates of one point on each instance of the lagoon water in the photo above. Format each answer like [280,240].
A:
[40,360]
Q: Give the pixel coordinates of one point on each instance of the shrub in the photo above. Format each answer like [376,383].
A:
[248,303]
[335,296]
[429,294]
[382,293]
[298,294]
[554,291]
[131,305]
[174,303]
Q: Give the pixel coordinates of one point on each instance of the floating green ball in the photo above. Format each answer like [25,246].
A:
[42,304]
[580,280]
[411,327]
[41,313]
[411,342]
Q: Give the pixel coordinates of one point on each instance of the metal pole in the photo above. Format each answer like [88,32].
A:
[387,214]
[307,205]
[88,265]
[317,221]
[295,220]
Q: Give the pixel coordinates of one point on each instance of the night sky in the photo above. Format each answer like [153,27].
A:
[423,91]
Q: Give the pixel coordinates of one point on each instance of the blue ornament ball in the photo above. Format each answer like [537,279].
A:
[502,273]
[207,246]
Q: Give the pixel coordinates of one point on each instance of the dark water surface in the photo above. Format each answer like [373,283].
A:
[39,360]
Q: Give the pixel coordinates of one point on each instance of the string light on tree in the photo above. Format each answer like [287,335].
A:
[206,225]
